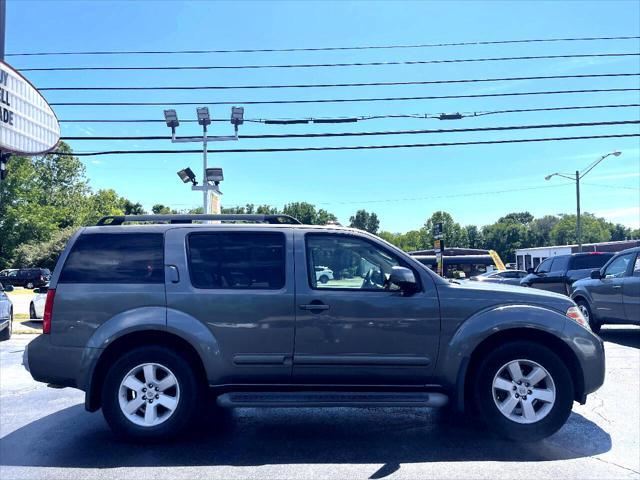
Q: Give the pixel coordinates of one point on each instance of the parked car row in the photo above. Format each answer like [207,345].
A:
[25,277]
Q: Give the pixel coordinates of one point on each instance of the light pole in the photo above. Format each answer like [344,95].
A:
[576,178]
[237,118]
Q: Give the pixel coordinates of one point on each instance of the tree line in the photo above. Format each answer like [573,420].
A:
[45,199]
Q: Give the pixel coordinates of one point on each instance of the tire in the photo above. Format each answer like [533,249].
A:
[29,286]
[32,312]
[6,333]
[186,396]
[541,418]
[584,307]
[324,279]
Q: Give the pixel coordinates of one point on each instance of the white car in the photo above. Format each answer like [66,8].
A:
[36,307]
[323,274]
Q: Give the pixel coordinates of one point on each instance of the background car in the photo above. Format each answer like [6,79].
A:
[323,274]
[557,274]
[6,313]
[25,277]
[36,306]
[504,277]
[611,294]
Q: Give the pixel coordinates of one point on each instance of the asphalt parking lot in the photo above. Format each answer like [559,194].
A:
[45,433]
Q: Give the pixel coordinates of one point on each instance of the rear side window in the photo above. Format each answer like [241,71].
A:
[560,264]
[115,258]
[237,260]
[593,261]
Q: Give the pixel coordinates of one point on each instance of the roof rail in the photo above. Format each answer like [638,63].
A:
[190,218]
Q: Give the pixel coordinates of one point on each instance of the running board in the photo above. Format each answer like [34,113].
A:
[331,399]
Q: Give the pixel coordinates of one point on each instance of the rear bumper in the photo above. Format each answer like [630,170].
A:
[53,364]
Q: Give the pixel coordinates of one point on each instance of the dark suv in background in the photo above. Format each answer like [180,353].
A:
[557,274]
[611,294]
[25,277]
[147,318]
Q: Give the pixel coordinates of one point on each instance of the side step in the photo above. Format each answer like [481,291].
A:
[332,399]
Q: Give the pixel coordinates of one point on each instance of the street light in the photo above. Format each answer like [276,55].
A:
[203,116]
[171,117]
[214,175]
[576,178]
[187,175]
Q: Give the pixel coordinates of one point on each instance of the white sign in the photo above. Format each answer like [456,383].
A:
[28,125]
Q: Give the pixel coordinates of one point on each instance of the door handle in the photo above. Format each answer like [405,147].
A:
[314,306]
[173,274]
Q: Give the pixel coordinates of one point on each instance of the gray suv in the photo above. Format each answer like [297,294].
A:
[148,319]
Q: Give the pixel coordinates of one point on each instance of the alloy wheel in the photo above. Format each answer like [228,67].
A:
[524,391]
[149,394]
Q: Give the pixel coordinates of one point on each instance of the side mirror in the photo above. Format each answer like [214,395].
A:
[404,278]
[596,275]
[530,270]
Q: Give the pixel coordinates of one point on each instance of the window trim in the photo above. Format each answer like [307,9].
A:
[401,263]
[163,280]
[243,232]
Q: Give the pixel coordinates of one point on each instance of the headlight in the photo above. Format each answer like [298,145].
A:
[575,314]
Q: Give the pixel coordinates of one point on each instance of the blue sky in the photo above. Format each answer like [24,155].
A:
[403,186]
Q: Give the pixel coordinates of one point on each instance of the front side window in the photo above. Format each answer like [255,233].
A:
[237,260]
[560,264]
[636,267]
[345,262]
[618,267]
[115,258]
[545,266]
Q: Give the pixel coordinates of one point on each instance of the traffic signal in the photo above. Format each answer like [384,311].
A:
[4,159]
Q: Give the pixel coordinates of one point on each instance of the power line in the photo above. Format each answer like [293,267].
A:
[319,49]
[322,65]
[361,118]
[331,85]
[344,100]
[358,147]
[392,132]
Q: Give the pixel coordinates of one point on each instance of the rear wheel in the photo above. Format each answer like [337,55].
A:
[151,393]
[584,307]
[523,391]
[29,285]
[324,279]
[6,333]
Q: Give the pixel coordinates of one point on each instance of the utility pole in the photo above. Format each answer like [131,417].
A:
[576,179]
[578,221]
[3,16]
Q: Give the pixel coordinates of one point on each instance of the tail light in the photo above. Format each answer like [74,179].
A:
[48,310]
[576,315]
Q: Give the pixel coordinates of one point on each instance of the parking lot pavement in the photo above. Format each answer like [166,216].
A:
[45,433]
[21,298]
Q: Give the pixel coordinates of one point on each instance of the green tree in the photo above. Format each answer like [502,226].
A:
[131,208]
[43,254]
[540,230]
[160,209]
[593,230]
[365,221]
[505,238]
[474,236]
[619,232]
[454,235]
[307,213]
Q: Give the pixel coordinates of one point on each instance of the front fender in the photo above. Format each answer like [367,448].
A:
[456,354]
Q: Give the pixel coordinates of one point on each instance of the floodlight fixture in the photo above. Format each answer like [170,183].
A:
[187,175]
[171,117]
[214,175]
[237,116]
[203,116]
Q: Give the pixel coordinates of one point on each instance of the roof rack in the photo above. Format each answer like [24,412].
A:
[190,218]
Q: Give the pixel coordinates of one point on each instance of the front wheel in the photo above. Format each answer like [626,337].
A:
[523,391]
[29,286]
[594,324]
[151,393]
[324,279]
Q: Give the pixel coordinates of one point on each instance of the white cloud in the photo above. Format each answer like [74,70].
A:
[97,162]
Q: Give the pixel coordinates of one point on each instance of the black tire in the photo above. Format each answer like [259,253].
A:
[6,333]
[483,393]
[594,324]
[324,279]
[192,393]
[32,312]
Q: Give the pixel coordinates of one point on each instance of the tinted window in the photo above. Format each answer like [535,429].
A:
[618,267]
[545,266]
[237,260]
[636,267]
[589,261]
[115,258]
[560,264]
[354,263]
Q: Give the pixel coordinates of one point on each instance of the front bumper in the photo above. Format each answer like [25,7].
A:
[589,348]
[53,364]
